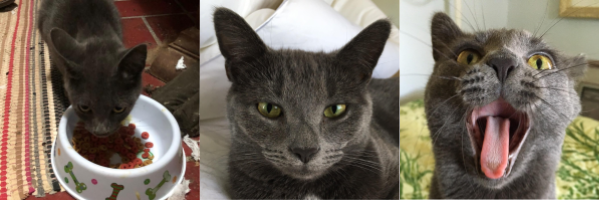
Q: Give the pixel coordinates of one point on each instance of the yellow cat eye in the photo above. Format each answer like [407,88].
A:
[540,62]
[118,109]
[468,57]
[84,108]
[335,110]
[269,110]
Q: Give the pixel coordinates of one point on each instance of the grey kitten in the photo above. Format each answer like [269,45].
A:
[497,106]
[309,124]
[102,78]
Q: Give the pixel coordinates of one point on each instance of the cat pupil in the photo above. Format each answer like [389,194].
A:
[269,107]
[469,58]
[333,109]
[538,63]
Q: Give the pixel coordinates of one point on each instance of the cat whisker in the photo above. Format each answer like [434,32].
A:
[452,78]
[465,131]
[442,103]
[553,72]
[358,163]
[438,132]
[440,52]
[560,89]
[551,107]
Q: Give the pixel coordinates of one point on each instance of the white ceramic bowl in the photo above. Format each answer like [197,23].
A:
[86,180]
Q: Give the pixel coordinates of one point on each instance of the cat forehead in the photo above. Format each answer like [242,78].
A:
[508,38]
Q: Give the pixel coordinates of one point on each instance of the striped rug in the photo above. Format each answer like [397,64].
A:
[29,106]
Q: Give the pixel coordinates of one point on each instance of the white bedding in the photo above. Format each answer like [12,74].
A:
[214,144]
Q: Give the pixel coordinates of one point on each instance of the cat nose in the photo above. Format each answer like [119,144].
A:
[502,66]
[305,154]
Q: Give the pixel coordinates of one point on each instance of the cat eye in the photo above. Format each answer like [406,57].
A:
[269,110]
[335,110]
[468,57]
[118,109]
[84,108]
[540,62]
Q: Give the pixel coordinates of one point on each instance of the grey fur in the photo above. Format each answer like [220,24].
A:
[358,156]
[548,97]
[85,43]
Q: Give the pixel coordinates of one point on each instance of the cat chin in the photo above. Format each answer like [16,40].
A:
[304,172]
[493,183]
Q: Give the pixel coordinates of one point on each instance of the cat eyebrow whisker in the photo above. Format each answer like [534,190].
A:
[543,18]
[465,17]
[482,15]
[477,24]
[559,20]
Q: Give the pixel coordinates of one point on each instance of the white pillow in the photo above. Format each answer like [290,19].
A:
[310,25]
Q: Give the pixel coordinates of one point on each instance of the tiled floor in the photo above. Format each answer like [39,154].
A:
[155,22]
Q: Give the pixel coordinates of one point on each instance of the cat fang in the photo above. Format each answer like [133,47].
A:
[497,132]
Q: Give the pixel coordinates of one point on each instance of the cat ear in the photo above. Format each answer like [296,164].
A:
[443,32]
[237,40]
[364,49]
[67,49]
[133,62]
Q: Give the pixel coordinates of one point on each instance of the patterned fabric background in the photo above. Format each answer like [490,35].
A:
[29,106]
[576,178]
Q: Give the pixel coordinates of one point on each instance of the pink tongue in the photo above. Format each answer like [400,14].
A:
[494,153]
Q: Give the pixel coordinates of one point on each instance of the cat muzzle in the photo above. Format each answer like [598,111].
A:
[497,132]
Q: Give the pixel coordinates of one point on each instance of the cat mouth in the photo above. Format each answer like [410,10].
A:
[497,132]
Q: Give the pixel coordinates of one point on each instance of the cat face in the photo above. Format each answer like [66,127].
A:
[500,99]
[302,113]
[102,79]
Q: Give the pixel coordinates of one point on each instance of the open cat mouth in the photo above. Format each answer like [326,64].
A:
[497,132]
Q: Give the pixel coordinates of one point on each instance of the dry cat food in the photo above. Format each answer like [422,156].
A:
[123,143]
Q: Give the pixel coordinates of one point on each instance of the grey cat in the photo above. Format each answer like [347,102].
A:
[497,106]
[102,78]
[309,124]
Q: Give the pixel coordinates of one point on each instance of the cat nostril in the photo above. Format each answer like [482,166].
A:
[510,68]
[503,67]
[305,154]
[495,68]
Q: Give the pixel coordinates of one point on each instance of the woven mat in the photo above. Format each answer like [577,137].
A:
[30,106]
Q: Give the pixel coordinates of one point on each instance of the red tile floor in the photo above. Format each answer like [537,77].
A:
[155,22]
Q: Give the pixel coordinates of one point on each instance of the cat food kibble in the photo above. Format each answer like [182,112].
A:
[123,143]
[145,135]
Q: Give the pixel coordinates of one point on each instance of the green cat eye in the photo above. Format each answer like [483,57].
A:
[540,62]
[335,110]
[269,110]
